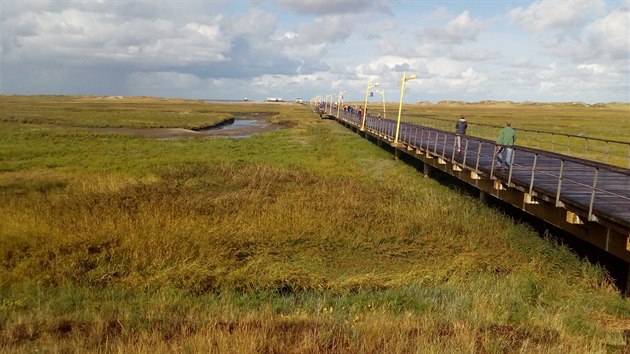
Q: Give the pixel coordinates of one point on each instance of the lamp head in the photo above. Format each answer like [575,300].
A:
[413,76]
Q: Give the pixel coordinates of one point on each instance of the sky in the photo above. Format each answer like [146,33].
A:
[545,50]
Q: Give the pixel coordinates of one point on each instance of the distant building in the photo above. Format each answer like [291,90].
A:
[274,99]
[299,100]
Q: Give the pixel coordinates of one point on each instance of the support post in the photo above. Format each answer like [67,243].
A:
[426,170]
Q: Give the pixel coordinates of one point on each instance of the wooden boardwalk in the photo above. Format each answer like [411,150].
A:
[588,198]
[602,189]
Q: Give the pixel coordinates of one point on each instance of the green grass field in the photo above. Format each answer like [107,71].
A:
[304,239]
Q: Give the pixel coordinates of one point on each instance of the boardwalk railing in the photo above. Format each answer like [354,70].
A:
[600,191]
[614,152]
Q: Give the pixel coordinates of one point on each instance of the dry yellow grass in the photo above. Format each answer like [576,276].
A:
[301,240]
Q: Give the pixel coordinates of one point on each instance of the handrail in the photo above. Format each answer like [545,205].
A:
[434,141]
[553,143]
[574,159]
[527,130]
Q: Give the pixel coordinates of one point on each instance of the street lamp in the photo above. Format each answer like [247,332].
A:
[402,92]
[369,86]
[326,109]
[317,102]
[332,96]
[382,93]
[339,98]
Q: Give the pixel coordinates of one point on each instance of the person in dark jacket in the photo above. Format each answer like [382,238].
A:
[460,130]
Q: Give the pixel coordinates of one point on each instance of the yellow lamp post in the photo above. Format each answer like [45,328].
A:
[339,98]
[326,109]
[369,86]
[332,96]
[402,93]
[331,102]
[317,101]
[382,93]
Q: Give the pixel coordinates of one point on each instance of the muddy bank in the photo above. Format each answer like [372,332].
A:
[241,126]
[217,125]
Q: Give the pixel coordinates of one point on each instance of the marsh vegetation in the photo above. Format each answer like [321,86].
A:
[305,239]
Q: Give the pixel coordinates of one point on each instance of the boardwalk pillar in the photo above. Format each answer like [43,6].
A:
[483,196]
[426,170]
[396,154]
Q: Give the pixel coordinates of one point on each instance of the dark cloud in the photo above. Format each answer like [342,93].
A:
[28,78]
[95,47]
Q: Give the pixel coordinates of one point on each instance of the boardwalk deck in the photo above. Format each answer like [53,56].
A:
[598,194]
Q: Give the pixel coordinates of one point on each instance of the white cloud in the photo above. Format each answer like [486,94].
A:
[552,14]
[548,73]
[173,80]
[83,38]
[333,7]
[610,36]
[546,86]
[327,29]
[389,45]
[256,24]
[557,82]
[591,68]
[387,64]
[472,54]
[235,48]
[523,62]
[605,40]
[298,84]
[437,76]
[304,51]
[465,82]
[459,29]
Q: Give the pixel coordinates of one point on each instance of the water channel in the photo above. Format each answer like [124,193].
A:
[238,128]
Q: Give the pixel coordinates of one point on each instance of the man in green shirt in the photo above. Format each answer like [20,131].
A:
[507,137]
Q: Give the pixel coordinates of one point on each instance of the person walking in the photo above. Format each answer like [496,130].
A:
[460,130]
[507,138]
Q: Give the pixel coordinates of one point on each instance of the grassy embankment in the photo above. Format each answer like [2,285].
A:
[298,240]
[604,121]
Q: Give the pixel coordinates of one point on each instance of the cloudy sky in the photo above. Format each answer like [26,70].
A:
[545,50]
